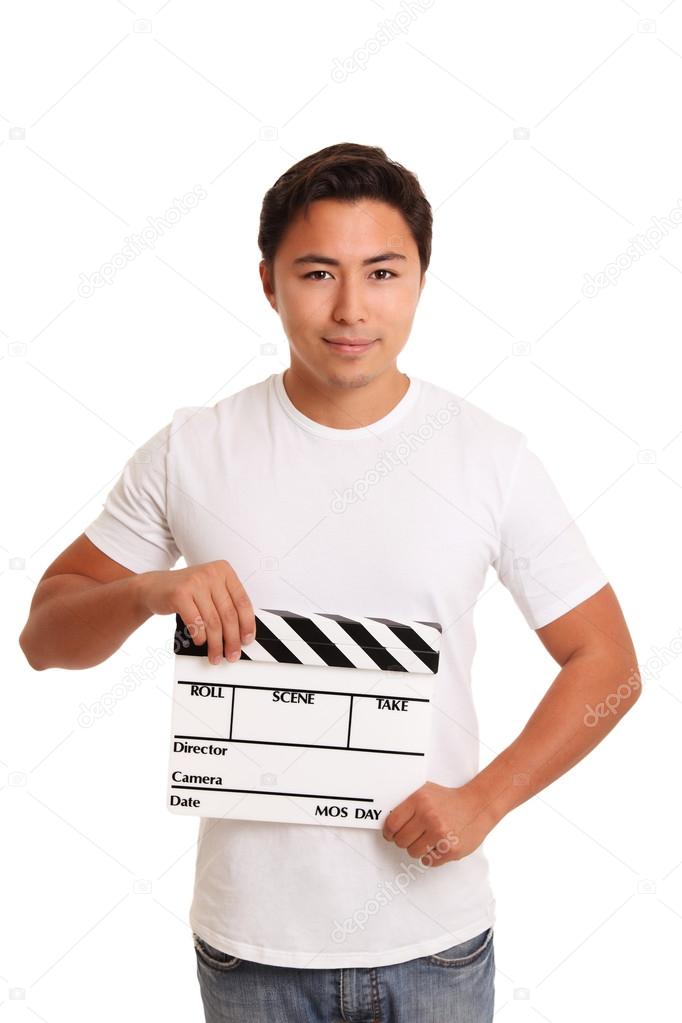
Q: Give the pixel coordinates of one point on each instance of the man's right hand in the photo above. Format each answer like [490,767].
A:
[211,601]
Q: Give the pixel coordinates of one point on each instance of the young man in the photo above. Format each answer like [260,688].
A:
[343,486]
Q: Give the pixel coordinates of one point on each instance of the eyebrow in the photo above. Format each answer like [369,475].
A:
[314,257]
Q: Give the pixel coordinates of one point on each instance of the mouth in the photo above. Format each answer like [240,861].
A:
[348,347]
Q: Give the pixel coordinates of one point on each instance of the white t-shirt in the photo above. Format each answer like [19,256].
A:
[399,519]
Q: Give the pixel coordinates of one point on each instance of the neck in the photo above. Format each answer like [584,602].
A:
[345,404]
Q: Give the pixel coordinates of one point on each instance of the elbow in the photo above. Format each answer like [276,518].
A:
[632,685]
[30,653]
[635,681]
[627,691]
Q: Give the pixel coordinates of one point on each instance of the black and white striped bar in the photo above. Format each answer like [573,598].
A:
[287,637]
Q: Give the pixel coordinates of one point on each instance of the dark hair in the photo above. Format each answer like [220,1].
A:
[346,171]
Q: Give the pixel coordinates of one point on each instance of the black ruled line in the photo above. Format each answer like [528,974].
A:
[267,792]
[305,745]
[322,692]
[350,719]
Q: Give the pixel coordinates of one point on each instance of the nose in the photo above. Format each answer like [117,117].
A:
[349,304]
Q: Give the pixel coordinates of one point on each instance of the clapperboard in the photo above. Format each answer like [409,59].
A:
[324,719]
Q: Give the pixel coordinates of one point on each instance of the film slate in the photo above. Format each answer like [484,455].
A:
[324,719]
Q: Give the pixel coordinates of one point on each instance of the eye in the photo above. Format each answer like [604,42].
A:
[312,272]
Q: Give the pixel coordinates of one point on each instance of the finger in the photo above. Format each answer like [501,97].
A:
[194,631]
[411,834]
[212,625]
[416,839]
[242,605]
[434,858]
[229,620]
[441,851]
[397,819]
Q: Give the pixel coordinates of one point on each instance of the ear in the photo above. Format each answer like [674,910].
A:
[267,286]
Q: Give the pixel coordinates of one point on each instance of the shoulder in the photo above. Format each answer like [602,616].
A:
[484,434]
[194,423]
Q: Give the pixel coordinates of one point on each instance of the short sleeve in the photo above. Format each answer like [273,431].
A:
[132,527]
[543,558]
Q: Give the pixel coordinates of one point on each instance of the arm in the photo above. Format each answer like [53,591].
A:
[598,683]
[84,607]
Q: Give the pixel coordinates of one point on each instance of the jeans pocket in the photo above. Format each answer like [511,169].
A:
[213,957]
[466,953]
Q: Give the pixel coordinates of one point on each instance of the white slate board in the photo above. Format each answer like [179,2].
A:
[324,719]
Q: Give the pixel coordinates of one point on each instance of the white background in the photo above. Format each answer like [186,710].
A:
[546,137]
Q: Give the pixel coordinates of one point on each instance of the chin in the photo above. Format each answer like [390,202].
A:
[351,378]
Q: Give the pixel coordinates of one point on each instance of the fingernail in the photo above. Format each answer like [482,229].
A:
[233,655]
[249,637]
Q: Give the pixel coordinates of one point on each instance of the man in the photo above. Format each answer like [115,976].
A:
[343,486]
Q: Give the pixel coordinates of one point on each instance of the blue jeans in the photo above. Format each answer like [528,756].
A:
[455,985]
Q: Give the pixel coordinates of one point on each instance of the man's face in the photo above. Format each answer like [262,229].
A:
[342,295]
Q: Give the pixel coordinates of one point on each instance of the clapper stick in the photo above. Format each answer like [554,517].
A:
[324,719]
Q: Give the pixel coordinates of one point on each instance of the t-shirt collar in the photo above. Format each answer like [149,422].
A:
[380,426]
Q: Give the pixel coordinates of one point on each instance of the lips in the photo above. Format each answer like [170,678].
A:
[350,346]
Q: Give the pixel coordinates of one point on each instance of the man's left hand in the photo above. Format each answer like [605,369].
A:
[439,824]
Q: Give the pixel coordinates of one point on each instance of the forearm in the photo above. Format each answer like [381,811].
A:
[77,622]
[585,701]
